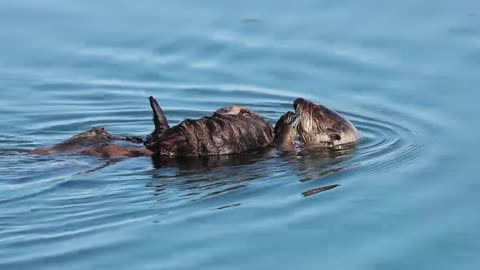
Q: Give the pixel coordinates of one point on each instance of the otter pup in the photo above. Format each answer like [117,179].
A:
[95,142]
[229,130]
[319,125]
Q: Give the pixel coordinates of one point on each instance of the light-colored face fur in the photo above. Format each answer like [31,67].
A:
[322,126]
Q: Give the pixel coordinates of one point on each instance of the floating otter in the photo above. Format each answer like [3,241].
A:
[229,130]
[95,142]
[321,126]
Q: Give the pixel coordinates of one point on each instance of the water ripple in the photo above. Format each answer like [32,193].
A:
[61,198]
[405,76]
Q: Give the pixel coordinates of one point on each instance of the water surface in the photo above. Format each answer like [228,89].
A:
[405,73]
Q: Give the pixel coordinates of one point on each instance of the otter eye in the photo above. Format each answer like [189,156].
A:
[335,137]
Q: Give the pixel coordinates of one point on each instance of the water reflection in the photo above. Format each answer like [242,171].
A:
[208,176]
[199,178]
[314,191]
[205,163]
[394,70]
[251,20]
[228,206]
[315,163]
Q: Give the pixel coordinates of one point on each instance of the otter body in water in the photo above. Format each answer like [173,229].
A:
[230,130]
[318,125]
[95,142]
[236,129]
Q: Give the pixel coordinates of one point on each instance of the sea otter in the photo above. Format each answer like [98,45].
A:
[95,142]
[230,130]
[318,125]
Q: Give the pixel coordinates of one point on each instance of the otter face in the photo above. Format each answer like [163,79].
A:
[322,126]
[285,131]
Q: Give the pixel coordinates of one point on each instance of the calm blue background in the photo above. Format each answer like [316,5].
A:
[405,72]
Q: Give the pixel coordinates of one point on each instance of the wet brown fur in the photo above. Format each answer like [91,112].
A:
[113,150]
[93,142]
[229,130]
[285,131]
[319,125]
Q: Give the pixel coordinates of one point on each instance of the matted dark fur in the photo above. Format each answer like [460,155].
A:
[229,130]
[95,142]
[285,131]
[319,125]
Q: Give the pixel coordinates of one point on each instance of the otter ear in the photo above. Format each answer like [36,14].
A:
[334,137]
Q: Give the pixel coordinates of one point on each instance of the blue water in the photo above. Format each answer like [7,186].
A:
[405,72]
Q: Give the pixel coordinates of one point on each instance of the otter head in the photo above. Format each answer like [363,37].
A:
[322,126]
[285,131]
